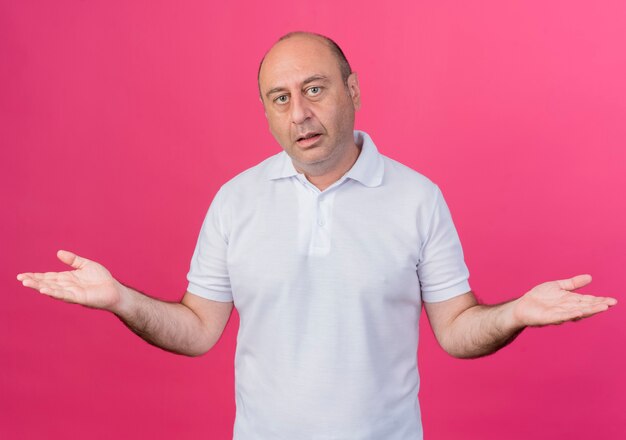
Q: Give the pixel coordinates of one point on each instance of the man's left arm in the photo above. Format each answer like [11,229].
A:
[466,329]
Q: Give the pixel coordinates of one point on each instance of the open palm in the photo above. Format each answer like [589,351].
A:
[89,284]
[555,302]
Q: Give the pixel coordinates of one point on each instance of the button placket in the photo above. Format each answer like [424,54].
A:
[321,240]
[319,211]
[317,208]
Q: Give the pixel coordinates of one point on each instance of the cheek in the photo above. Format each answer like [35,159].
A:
[338,120]
[276,123]
[335,114]
[279,130]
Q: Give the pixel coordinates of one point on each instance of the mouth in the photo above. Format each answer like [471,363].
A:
[308,139]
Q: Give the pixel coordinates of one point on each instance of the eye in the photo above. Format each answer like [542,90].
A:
[282,99]
[314,91]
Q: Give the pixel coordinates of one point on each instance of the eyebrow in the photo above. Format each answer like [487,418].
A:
[310,79]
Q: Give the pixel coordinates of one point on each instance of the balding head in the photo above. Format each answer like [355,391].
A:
[342,61]
[310,102]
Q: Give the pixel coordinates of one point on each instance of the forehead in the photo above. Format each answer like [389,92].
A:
[295,59]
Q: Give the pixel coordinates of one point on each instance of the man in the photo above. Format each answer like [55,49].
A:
[328,250]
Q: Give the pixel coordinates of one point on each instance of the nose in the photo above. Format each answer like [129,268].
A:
[300,110]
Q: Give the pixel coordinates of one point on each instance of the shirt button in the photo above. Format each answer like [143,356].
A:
[320,222]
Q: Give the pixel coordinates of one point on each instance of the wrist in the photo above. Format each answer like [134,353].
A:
[511,321]
[122,306]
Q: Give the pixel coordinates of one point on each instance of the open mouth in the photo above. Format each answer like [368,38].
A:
[308,139]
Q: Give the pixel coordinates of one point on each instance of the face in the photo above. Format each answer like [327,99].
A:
[309,109]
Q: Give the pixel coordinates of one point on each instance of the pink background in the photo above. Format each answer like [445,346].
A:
[119,121]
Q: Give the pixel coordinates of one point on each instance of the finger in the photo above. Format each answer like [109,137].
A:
[30,282]
[575,282]
[575,298]
[61,282]
[24,275]
[71,259]
[565,316]
[37,275]
[48,276]
[40,284]
[56,293]
[586,312]
[602,300]
[598,308]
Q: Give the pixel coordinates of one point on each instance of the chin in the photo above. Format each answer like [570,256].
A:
[313,157]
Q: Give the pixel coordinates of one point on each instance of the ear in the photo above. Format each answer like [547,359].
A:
[263,104]
[354,90]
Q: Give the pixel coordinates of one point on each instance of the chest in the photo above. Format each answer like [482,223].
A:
[343,248]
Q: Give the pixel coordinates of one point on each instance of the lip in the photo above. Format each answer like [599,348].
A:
[306,141]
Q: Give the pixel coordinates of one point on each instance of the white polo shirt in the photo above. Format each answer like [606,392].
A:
[328,286]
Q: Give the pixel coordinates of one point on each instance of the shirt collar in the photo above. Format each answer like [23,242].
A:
[368,168]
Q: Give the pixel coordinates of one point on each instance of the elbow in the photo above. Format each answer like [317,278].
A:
[459,351]
[194,354]
[201,348]
[456,352]
[473,350]
[462,354]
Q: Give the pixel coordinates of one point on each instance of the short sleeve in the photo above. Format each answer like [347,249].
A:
[441,270]
[208,272]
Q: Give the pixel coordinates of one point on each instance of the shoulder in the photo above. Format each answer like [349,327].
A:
[402,173]
[240,193]
[252,180]
[395,176]
[410,183]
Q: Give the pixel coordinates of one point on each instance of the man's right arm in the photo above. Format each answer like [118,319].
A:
[190,327]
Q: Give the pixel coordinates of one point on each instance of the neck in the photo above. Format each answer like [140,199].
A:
[323,176]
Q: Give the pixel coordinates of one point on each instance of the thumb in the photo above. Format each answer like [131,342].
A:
[71,259]
[575,282]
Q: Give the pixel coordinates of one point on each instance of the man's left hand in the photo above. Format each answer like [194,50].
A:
[556,302]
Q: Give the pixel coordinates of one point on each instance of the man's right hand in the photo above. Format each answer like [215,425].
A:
[89,284]
[190,327]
